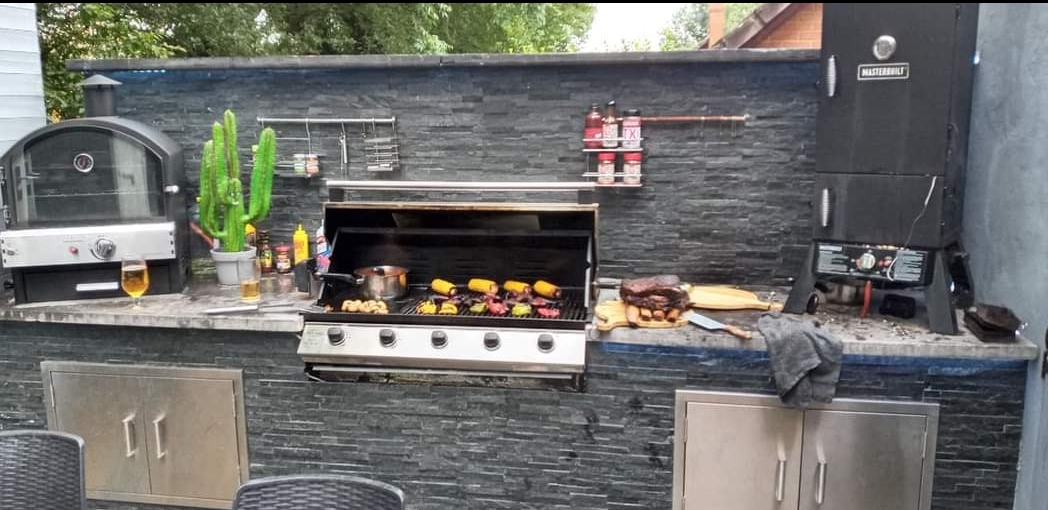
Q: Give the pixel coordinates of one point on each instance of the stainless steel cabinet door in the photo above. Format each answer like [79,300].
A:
[105,411]
[741,457]
[192,431]
[862,461]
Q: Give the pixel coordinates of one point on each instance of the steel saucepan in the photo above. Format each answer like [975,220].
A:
[375,282]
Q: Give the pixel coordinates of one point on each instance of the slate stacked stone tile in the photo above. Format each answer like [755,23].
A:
[719,204]
[456,447]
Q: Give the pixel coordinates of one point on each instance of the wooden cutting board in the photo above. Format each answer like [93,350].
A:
[710,297]
[612,314]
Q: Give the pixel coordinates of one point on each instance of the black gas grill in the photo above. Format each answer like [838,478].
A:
[456,242]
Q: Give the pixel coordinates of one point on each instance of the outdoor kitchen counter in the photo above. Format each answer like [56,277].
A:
[874,336]
[182,311]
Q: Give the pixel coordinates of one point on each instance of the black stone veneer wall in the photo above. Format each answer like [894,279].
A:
[720,204]
[454,447]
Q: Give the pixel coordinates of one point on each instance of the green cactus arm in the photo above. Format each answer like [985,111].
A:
[208,199]
[262,177]
[235,220]
[233,160]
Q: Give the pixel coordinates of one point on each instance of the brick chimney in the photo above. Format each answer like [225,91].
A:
[718,18]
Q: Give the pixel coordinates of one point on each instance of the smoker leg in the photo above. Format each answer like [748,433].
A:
[941,315]
[961,276]
[803,286]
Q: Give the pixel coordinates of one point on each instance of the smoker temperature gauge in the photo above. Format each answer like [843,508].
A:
[866,262]
[104,249]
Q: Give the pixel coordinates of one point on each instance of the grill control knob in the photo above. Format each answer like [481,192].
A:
[336,336]
[439,339]
[545,342]
[387,337]
[491,341]
[866,262]
[104,249]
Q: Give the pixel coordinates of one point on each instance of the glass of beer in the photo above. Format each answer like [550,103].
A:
[249,274]
[134,277]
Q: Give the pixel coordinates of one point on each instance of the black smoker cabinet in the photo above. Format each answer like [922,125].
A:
[891,149]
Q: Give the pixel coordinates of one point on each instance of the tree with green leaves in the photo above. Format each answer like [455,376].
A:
[691,24]
[79,31]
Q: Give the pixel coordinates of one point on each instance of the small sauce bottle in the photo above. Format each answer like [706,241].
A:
[594,128]
[610,132]
[265,252]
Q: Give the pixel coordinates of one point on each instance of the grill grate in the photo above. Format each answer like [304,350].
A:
[570,305]
[573,311]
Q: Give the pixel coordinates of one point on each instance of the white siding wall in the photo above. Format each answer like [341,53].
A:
[21,85]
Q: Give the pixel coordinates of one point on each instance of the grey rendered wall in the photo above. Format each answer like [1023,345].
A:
[21,86]
[1006,211]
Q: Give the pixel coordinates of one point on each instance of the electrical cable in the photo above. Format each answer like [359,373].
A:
[913,226]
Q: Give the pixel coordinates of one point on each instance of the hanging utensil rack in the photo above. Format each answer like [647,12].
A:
[381,153]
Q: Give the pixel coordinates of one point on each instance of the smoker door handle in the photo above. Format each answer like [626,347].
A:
[825,211]
[831,76]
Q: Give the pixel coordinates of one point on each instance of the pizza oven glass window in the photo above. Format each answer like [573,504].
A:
[85,176]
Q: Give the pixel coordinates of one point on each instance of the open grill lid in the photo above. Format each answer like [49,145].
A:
[459,241]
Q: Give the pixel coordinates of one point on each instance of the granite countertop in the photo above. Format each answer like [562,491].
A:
[184,310]
[876,335]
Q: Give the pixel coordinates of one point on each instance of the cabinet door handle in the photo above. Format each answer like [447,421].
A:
[820,484]
[780,481]
[160,452]
[129,436]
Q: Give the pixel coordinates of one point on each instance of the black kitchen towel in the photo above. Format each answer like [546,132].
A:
[805,360]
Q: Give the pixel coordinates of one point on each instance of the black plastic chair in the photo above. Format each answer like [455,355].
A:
[318,492]
[41,470]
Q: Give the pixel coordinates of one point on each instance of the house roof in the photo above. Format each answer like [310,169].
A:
[762,20]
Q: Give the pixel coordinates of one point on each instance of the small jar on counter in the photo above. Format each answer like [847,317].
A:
[606,168]
[631,129]
[283,259]
[631,167]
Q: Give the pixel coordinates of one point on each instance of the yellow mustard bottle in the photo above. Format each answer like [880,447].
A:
[300,240]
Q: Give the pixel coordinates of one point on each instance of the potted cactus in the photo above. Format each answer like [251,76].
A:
[222,212]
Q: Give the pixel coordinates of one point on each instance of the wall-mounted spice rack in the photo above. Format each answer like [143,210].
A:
[381,151]
[610,174]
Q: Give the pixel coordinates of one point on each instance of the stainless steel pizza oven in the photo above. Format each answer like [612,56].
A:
[78,195]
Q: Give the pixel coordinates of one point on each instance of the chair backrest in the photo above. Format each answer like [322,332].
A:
[318,492]
[41,470]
